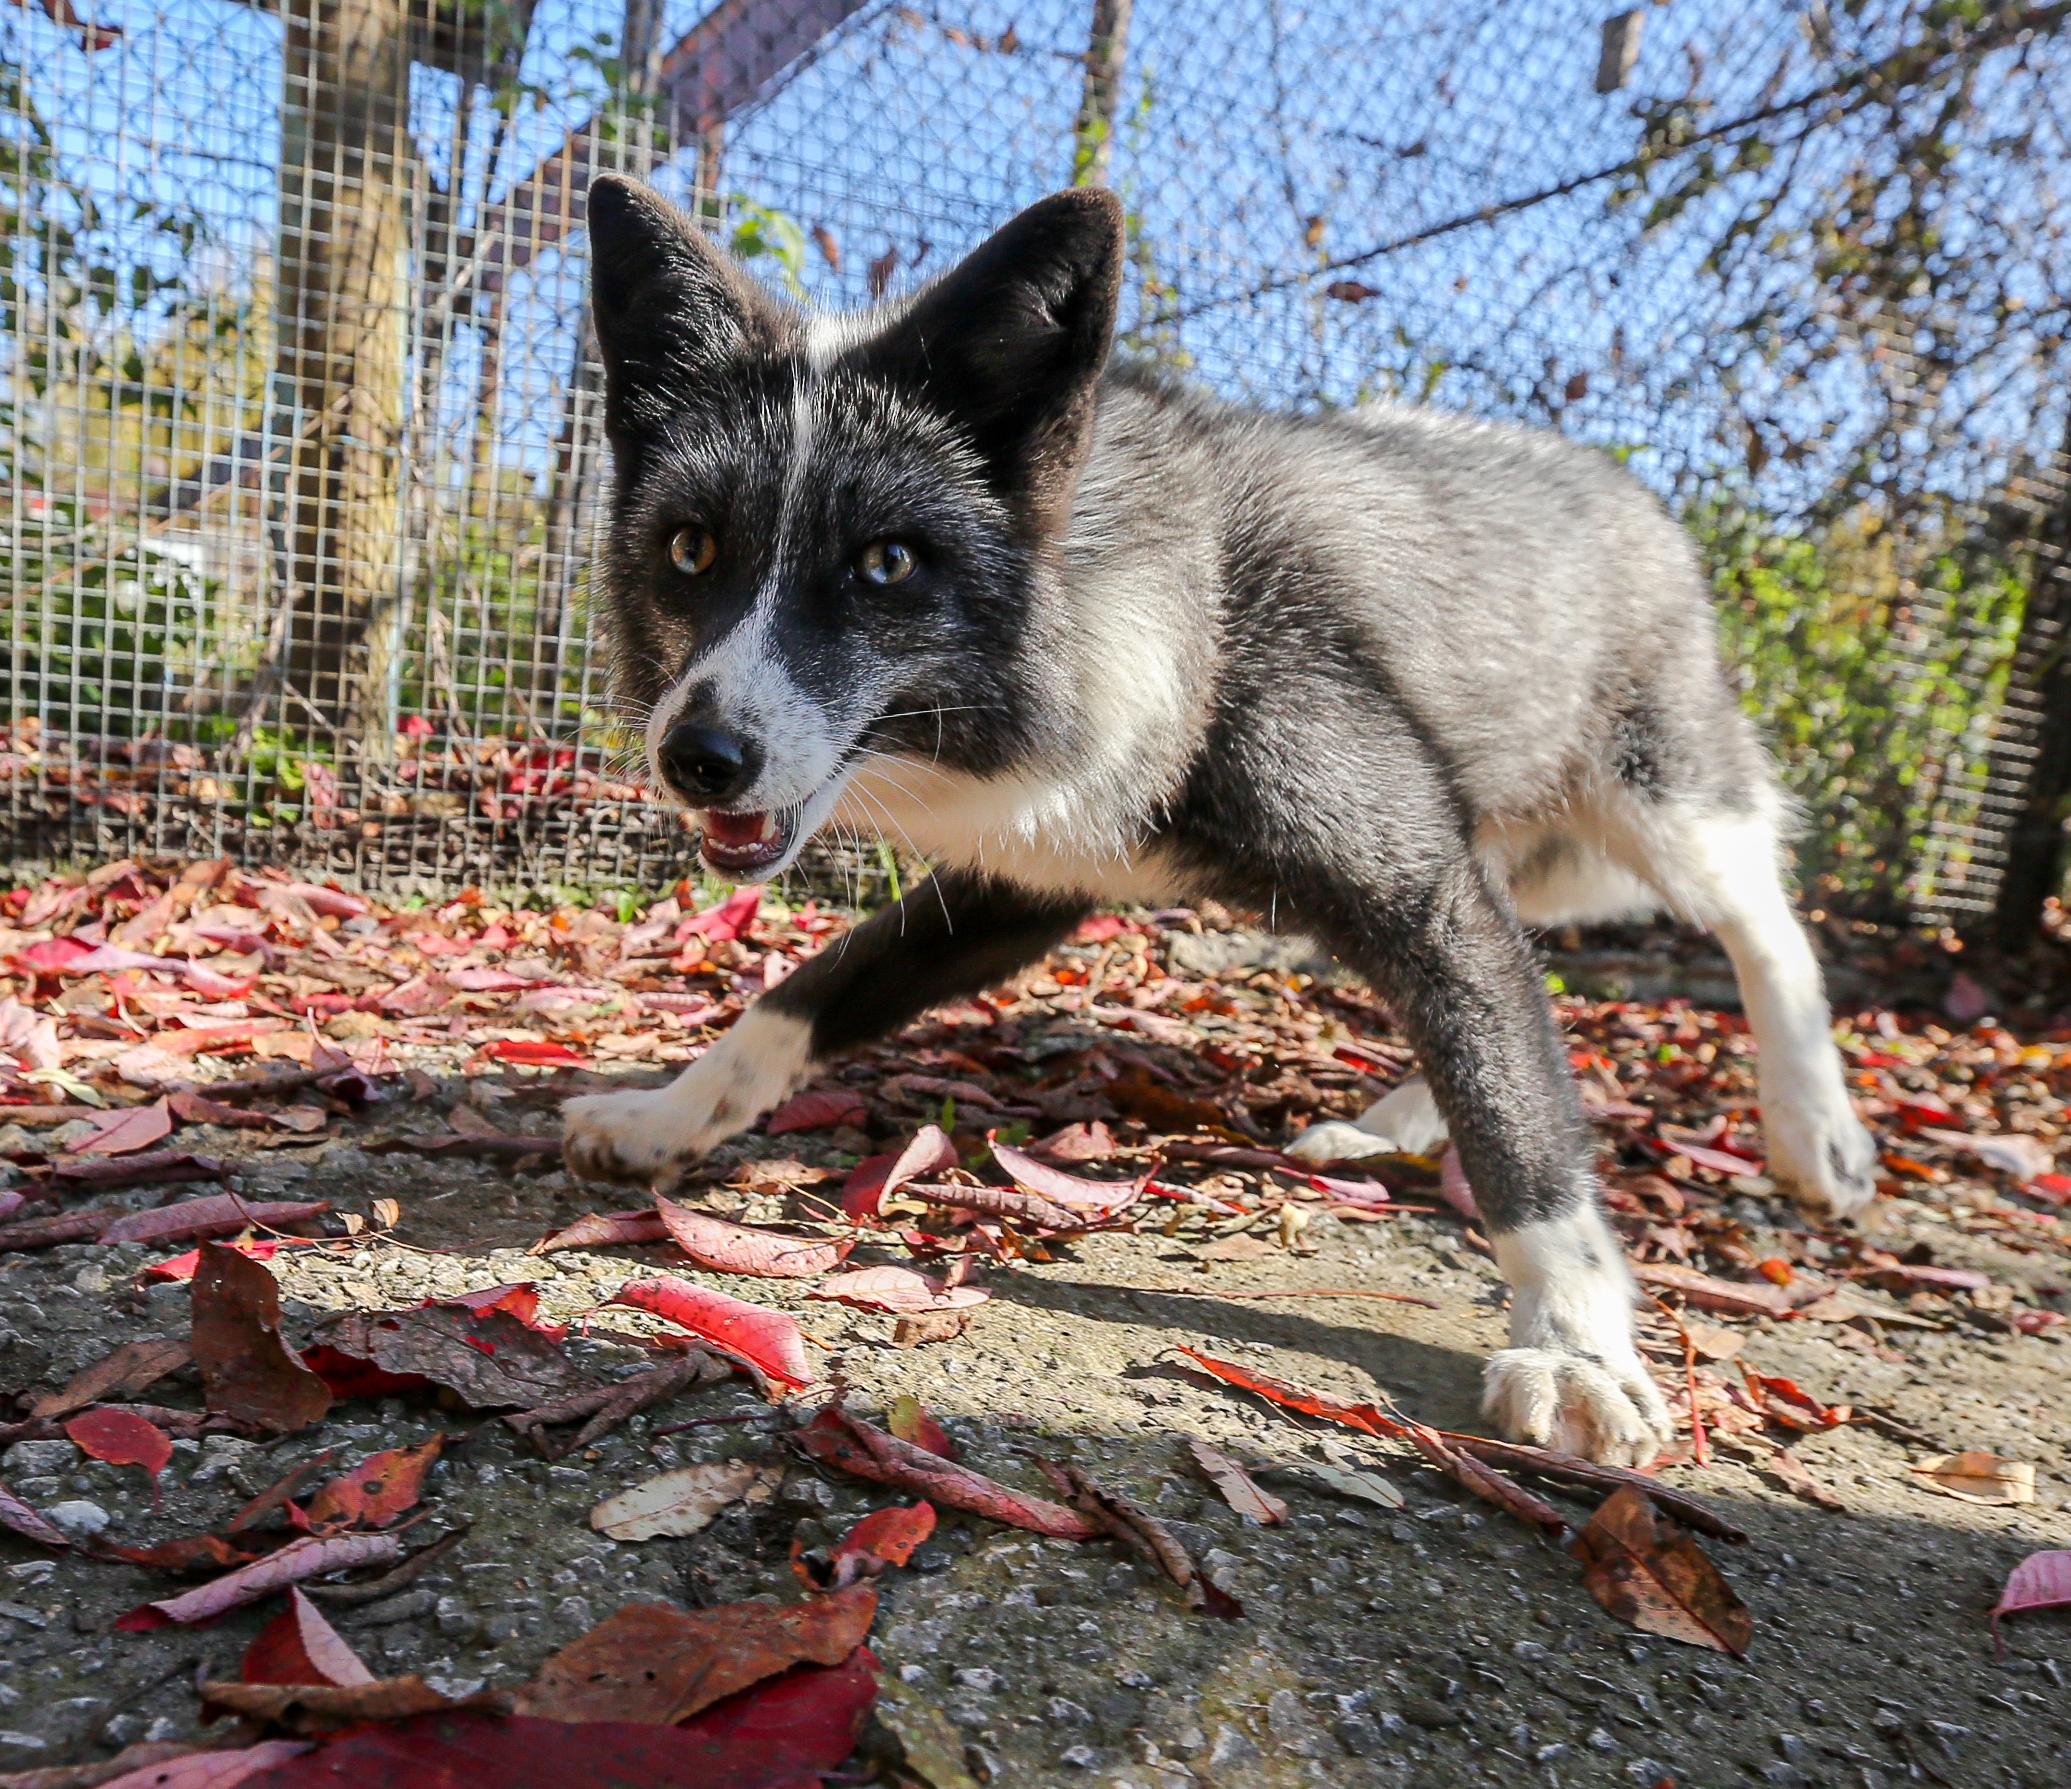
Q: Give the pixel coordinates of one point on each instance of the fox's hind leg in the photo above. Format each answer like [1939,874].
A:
[1720,866]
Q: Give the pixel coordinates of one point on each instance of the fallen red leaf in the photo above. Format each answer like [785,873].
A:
[818,1110]
[310,1558]
[885,1537]
[781,1735]
[132,1368]
[122,1438]
[1646,1570]
[535,1052]
[1783,1401]
[727,921]
[720,1247]
[299,1646]
[767,1341]
[18,1518]
[602,1229]
[1074,1192]
[909,1420]
[247,1371]
[126,1130]
[491,1359]
[1366,1417]
[260,1248]
[2041,1581]
[652,1662]
[210,1770]
[897,1289]
[835,1438]
[376,1491]
[219,1214]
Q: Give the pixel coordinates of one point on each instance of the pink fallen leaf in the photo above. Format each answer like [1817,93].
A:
[897,1289]
[1453,1185]
[720,1247]
[767,1341]
[335,903]
[1240,1490]
[600,1229]
[220,1214]
[27,1038]
[310,1558]
[122,1438]
[2041,1581]
[212,1770]
[2015,1154]
[18,1518]
[818,1110]
[125,1129]
[877,1177]
[1074,1192]
[299,1646]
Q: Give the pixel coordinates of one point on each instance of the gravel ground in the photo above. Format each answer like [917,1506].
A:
[1437,1644]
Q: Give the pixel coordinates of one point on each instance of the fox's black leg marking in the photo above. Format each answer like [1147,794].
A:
[954,935]
[1451,962]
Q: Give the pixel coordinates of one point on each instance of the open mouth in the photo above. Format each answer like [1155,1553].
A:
[745,845]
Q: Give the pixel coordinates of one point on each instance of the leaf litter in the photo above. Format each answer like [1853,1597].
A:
[933,1190]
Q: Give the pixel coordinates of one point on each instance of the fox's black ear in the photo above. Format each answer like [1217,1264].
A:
[665,299]
[1012,341]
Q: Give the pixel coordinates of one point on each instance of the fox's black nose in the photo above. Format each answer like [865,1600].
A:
[705,765]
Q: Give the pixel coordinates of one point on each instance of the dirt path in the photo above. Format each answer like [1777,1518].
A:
[1440,1643]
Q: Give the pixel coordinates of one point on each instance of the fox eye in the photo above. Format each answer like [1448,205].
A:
[886,562]
[692,550]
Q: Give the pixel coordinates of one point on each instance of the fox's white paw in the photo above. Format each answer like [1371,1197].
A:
[649,1135]
[1572,1378]
[1822,1153]
[1609,1412]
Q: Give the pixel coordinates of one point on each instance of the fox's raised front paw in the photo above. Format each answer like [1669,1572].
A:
[1823,1154]
[650,1135]
[1612,1413]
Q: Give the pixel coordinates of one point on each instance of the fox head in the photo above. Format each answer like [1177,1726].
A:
[829,535]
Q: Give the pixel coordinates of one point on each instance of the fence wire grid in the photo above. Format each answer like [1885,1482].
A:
[299,413]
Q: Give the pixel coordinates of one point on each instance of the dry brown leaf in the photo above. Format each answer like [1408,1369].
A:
[1977,1477]
[1647,1570]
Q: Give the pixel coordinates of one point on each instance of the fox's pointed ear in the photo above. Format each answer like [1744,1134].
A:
[665,299]
[1012,341]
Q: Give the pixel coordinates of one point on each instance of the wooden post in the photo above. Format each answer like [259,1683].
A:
[340,352]
[1093,135]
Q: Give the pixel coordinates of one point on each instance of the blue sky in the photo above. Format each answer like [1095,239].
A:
[1378,119]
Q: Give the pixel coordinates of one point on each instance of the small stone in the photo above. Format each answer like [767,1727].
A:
[405,1605]
[573,1613]
[1067,1713]
[1233,1749]
[976,1677]
[1429,1713]
[1359,1736]
[79,1517]
[39,1459]
[1080,1757]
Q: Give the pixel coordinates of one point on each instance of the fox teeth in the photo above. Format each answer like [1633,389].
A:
[769,829]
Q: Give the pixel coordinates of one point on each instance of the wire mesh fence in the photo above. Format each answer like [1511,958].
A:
[301,446]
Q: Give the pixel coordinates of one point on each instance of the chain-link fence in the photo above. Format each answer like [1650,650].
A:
[300,420]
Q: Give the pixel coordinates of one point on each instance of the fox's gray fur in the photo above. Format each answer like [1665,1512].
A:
[1395,678]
